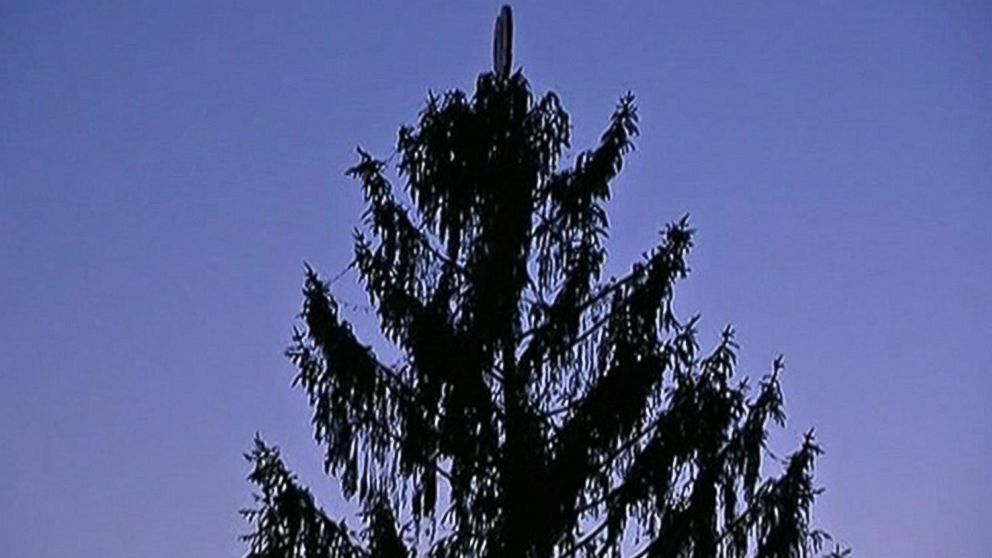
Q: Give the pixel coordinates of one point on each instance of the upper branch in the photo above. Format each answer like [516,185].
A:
[288,523]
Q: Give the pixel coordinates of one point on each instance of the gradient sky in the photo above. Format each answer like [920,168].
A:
[166,168]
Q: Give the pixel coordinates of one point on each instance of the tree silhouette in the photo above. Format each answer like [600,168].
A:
[539,409]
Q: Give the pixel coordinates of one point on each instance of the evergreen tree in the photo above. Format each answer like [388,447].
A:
[540,410]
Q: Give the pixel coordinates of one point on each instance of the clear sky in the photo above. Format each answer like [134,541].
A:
[166,168]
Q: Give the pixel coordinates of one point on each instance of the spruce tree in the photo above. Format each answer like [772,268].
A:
[540,409]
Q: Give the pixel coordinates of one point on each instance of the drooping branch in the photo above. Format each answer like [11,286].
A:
[408,249]
[569,235]
[287,523]
[782,522]
[632,363]
[384,539]
[352,394]
[355,398]
[776,522]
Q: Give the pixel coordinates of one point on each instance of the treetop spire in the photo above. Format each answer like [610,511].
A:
[503,43]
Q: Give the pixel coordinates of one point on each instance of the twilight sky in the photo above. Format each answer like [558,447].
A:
[166,168]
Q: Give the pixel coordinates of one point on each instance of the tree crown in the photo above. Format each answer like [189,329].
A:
[539,409]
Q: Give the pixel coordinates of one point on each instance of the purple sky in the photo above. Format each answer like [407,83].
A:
[165,170]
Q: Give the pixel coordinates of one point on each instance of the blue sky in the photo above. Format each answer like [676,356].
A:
[166,168]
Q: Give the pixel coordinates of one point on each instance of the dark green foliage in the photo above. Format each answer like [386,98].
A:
[539,410]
